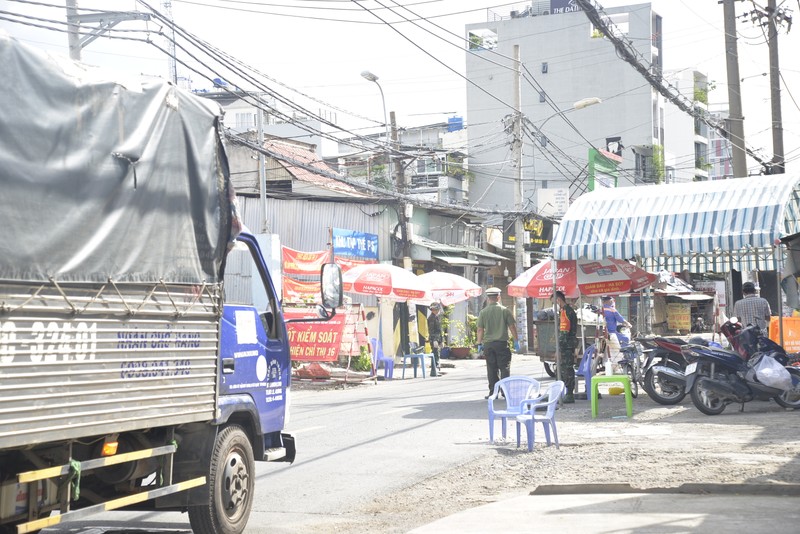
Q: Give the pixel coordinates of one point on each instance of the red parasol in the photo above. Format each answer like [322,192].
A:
[384,280]
[449,288]
[609,276]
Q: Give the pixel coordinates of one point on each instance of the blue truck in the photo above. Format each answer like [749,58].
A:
[144,359]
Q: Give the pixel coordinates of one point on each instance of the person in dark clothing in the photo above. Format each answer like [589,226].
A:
[435,336]
[494,323]
[567,341]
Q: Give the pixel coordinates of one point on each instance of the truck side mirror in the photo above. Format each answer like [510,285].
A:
[332,292]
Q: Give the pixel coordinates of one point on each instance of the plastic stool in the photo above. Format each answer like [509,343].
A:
[621,379]
[414,358]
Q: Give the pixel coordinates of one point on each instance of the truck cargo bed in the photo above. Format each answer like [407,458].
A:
[91,359]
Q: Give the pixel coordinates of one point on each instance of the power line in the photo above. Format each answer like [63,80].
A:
[629,54]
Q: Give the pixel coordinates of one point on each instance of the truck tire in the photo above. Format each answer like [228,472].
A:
[231,479]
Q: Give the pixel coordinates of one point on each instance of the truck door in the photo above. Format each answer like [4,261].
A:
[254,347]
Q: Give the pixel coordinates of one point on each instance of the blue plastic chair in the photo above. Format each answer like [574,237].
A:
[586,366]
[531,415]
[378,356]
[515,389]
[416,356]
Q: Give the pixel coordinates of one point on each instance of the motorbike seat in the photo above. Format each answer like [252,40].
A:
[674,340]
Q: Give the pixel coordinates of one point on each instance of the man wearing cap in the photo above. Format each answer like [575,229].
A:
[494,323]
[752,309]
[435,335]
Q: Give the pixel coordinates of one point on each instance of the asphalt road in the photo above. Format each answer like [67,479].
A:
[354,445]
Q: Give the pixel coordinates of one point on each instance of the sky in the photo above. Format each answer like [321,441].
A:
[318,49]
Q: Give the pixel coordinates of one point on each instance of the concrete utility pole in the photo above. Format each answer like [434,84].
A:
[519,229]
[779,165]
[736,120]
[405,212]
[262,163]
[73,35]
[104,21]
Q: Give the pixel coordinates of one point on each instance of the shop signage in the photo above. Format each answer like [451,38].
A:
[356,244]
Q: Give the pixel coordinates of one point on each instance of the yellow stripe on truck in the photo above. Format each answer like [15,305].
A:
[39,524]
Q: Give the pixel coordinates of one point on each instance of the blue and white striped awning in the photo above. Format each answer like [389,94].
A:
[716,225]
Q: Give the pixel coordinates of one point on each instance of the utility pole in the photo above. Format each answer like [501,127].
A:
[779,164]
[104,21]
[736,120]
[73,30]
[398,175]
[173,61]
[262,162]
[519,229]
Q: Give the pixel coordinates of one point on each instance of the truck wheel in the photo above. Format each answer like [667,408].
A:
[231,479]
[550,369]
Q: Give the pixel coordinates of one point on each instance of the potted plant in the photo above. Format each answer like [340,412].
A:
[464,336]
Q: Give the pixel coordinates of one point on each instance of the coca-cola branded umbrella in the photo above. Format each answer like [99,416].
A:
[385,281]
[448,288]
[609,276]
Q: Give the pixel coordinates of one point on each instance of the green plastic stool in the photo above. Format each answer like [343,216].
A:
[622,379]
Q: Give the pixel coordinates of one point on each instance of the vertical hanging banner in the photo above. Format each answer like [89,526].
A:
[355,244]
[314,342]
[309,263]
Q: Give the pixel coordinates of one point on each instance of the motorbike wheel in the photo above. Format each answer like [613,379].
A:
[662,390]
[550,369]
[705,400]
[791,398]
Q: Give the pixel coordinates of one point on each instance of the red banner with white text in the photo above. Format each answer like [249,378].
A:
[316,341]
[309,263]
[299,291]
[348,263]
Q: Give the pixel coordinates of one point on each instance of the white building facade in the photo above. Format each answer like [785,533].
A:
[565,59]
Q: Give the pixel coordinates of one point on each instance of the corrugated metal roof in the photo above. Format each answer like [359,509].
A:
[456,249]
[453,260]
[309,158]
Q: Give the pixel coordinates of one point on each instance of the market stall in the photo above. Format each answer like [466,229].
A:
[698,227]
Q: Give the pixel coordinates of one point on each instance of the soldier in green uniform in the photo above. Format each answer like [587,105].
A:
[494,323]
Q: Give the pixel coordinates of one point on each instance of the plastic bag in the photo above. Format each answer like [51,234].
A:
[771,373]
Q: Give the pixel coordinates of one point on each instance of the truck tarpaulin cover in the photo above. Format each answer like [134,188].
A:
[104,178]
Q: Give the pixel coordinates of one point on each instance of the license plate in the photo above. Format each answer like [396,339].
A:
[691,368]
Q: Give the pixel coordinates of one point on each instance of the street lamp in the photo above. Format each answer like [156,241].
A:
[367,75]
[580,104]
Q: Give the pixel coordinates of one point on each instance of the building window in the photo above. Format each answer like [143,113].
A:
[429,166]
[244,121]
[544,67]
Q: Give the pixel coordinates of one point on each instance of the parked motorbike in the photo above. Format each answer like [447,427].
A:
[664,376]
[717,377]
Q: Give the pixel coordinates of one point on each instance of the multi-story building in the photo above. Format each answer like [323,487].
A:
[720,155]
[567,63]
[686,158]
[429,162]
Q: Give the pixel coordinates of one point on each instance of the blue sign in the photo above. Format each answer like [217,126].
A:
[564,6]
[357,244]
